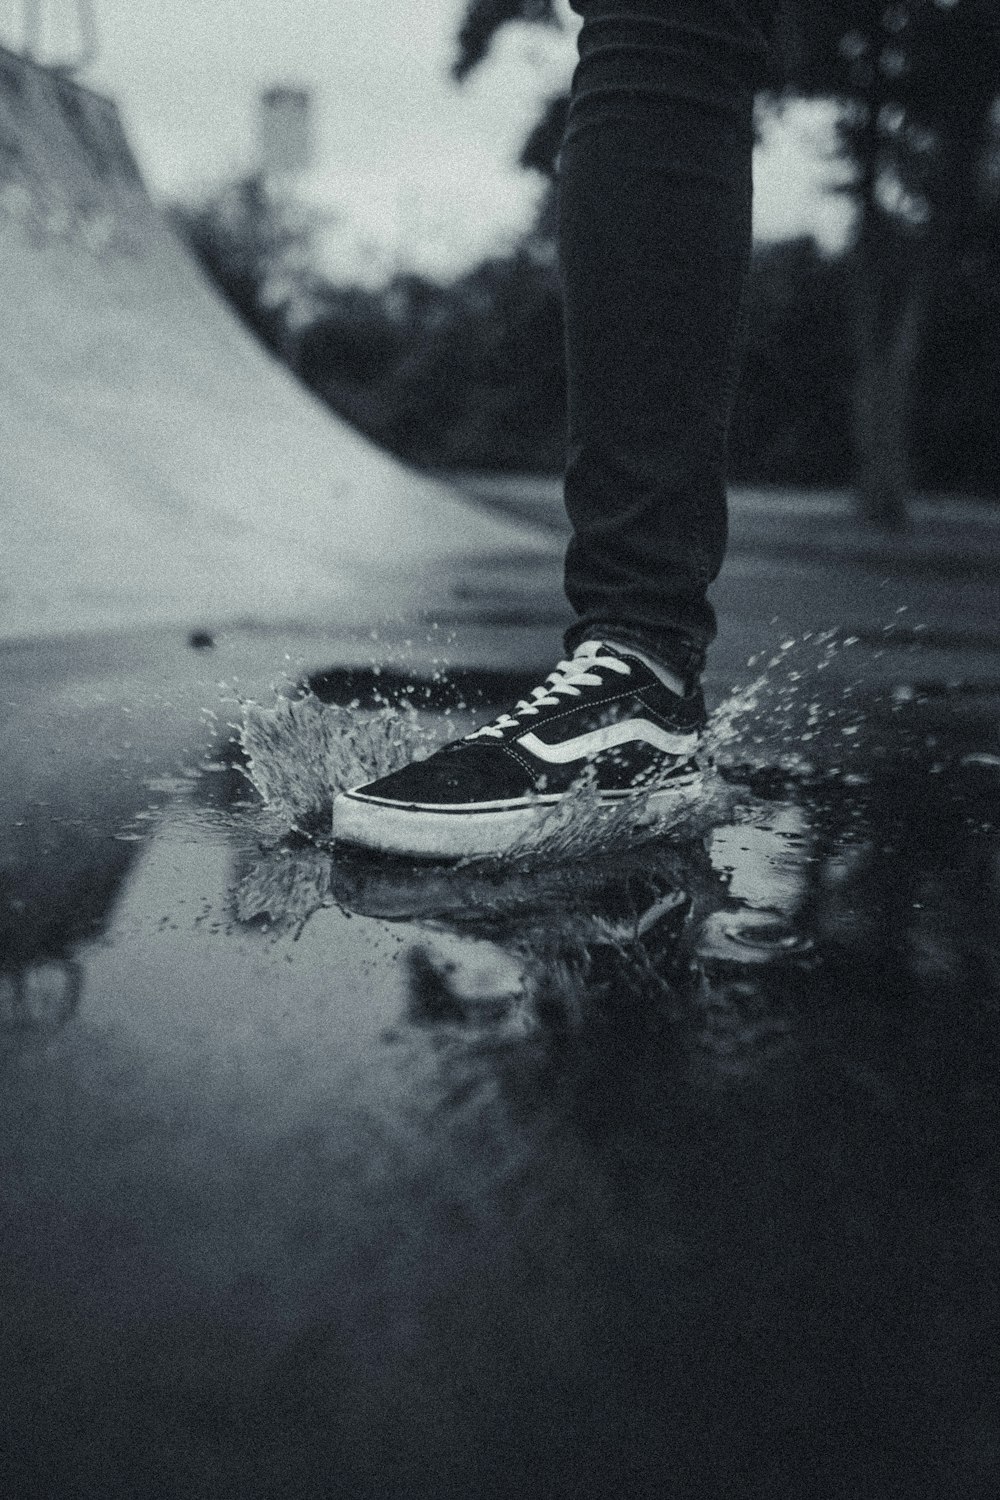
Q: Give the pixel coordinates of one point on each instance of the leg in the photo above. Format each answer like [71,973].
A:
[655,226]
[655,236]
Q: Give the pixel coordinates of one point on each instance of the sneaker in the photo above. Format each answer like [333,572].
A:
[605,712]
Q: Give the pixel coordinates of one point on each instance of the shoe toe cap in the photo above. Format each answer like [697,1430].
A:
[457,775]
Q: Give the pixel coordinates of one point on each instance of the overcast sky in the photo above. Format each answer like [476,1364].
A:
[423,171]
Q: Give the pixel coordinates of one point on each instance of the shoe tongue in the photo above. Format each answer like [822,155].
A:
[595,648]
[588,651]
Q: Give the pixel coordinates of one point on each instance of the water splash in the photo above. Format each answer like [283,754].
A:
[301,753]
[284,887]
[777,722]
[581,822]
[791,717]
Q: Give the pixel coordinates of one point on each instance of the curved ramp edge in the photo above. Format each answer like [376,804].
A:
[158,465]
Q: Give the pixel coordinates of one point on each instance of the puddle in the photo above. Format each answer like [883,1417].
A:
[812,798]
[682,1134]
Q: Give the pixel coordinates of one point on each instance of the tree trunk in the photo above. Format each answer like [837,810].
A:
[888,324]
[897,276]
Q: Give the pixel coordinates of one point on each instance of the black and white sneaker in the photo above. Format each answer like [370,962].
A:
[606,712]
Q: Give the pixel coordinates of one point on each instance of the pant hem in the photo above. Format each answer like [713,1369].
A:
[671,648]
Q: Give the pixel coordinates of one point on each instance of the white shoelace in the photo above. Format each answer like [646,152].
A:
[567,681]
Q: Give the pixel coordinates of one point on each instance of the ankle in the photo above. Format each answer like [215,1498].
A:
[671,655]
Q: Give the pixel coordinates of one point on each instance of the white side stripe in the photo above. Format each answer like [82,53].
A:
[623,733]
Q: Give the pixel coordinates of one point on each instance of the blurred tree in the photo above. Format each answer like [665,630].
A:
[359,335]
[791,421]
[470,374]
[483,19]
[918,83]
[956,433]
[485,386]
[257,248]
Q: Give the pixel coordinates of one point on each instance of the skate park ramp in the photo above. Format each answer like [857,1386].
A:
[158,466]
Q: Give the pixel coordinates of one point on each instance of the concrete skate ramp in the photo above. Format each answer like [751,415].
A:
[157,465]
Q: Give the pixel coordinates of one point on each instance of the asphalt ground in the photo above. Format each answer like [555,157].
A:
[666,1169]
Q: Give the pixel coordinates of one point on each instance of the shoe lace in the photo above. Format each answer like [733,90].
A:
[567,681]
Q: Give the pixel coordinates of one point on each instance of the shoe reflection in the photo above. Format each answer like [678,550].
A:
[36,1001]
[659,936]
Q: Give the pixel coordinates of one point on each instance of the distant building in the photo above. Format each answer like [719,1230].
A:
[61,36]
[285,131]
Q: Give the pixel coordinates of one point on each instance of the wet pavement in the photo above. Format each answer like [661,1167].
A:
[669,1168]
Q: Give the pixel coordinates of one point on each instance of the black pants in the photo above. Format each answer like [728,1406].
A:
[655,227]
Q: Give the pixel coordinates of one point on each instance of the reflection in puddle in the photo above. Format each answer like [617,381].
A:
[764,857]
[503,952]
[36,1002]
[750,937]
[783,872]
[284,887]
[466,982]
[392,1159]
[732,925]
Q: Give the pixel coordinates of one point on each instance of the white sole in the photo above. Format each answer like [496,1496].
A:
[424,831]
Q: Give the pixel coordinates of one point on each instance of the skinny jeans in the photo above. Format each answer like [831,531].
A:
[655,190]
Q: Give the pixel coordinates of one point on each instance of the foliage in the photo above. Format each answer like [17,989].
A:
[472,375]
[918,83]
[256,247]
[956,433]
[483,18]
[791,421]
